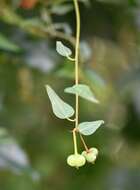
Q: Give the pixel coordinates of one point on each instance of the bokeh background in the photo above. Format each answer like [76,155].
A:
[34,144]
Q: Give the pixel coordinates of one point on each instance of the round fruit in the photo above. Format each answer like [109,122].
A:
[91,155]
[76,160]
[94,150]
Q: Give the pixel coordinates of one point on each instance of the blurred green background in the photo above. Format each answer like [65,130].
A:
[34,144]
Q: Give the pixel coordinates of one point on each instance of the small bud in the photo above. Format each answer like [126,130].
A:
[76,160]
[91,155]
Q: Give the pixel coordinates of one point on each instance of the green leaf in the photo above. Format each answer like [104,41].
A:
[82,90]
[7,45]
[88,128]
[62,49]
[61,109]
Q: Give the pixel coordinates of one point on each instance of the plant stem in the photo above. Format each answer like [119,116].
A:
[72,120]
[83,141]
[75,141]
[70,58]
[77,12]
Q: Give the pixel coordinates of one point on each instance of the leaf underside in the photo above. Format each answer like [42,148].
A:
[83,91]
[60,108]
[62,49]
[88,128]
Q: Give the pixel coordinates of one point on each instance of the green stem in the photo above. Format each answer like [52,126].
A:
[70,58]
[77,12]
[75,141]
[72,120]
[83,141]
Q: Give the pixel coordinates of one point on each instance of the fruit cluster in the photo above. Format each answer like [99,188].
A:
[78,160]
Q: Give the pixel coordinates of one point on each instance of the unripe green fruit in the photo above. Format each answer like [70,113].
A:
[76,160]
[91,155]
[94,150]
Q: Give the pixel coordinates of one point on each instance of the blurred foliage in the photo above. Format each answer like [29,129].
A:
[110,53]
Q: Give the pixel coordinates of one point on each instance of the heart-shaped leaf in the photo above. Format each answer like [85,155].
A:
[62,49]
[88,128]
[82,90]
[61,109]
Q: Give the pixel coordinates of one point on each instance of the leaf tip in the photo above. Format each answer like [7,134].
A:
[47,87]
[62,49]
[102,122]
[96,101]
[58,43]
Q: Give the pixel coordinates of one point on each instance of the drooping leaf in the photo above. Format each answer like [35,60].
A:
[82,90]
[62,49]
[88,128]
[61,109]
[6,44]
